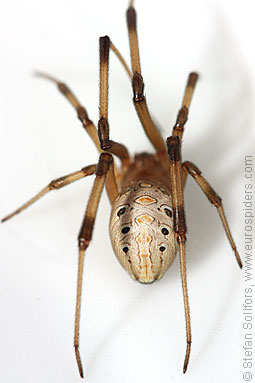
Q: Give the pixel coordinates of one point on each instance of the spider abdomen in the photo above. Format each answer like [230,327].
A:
[141,230]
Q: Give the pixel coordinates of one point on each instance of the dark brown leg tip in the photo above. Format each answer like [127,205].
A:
[186,361]
[238,259]
[193,77]
[78,359]
[7,217]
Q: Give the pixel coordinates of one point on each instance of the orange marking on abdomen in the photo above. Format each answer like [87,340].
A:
[143,238]
[145,200]
[144,219]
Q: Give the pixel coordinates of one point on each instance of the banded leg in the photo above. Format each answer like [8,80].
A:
[174,150]
[81,111]
[215,200]
[83,117]
[138,88]
[104,166]
[182,116]
[129,73]
[54,185]
[103,126]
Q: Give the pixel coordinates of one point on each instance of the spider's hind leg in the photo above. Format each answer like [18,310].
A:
[174,151]
[182,115]
[55,185]
[215,200]
[104,170]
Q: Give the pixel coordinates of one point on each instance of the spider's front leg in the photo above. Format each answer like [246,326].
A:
[104,171]
[174,151]
[108,145]
[81,111]
[139,99]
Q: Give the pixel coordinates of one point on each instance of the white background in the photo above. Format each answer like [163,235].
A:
[129,332]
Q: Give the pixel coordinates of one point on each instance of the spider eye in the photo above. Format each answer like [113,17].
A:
[125,249]
[125,230]
[168,212]
[162,248]
[121,211]
[165,231]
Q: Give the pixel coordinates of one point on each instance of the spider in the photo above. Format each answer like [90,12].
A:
[147,223]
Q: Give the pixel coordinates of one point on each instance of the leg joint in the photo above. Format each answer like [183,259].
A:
[104,164]
[217,201]
[173,145]
[181,237]
[83,116]
[182,118]
[56,184]
[83,243]
[138,87]
[103,133]
[192,169]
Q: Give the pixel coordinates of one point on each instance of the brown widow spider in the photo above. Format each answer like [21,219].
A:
[147,224]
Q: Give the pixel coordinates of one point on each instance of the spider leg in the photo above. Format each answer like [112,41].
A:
[138,88]
[103,126]
[104,165]
[81,111]
[121,59]
[174,150]
[54,185]
[214,199]
[129,73]
[182,116]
